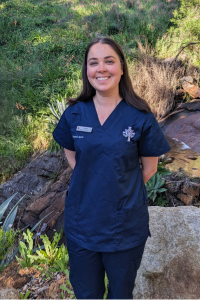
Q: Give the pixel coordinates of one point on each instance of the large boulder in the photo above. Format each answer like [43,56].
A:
[170,267]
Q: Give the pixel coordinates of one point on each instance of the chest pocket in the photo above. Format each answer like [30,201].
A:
[126,154]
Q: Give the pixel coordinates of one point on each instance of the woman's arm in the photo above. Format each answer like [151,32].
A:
[70,155]
[149,167]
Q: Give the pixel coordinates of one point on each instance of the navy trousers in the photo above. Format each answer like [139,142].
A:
[87,271]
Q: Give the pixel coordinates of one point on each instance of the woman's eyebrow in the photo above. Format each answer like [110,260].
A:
[94,58]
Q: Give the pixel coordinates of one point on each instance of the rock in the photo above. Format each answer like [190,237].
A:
[169,160]
[187,199]
[9,294]
[50,203]
[184,127]
[35,179]
[43,194]
[187,79]
[191,106]
[192,90]
[54,291]
[170,60]
[192,157]
[191,188]
[41,203]
[170,267]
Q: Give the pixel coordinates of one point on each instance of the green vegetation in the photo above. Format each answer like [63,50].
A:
[24,296]
[154,186]
[185,29]
[7,234]
[50,260]
[41,52]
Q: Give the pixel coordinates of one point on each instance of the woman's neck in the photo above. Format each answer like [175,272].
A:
[106,101]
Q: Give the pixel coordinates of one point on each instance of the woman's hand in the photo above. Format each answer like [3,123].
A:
[149,167]
[70,155]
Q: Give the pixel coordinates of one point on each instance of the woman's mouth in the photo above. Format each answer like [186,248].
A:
[102,78]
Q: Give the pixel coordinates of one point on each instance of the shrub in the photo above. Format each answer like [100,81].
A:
[185,29]
[155,82]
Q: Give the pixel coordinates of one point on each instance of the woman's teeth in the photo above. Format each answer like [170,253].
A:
[102,78]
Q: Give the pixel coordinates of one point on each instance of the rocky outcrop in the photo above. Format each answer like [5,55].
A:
[44,183]
[170,267]
[184,125]
[50,203]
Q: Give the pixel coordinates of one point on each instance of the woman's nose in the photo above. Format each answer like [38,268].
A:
[101,67]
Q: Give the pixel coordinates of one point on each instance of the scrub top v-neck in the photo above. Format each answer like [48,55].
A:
[109,119]
[106,204]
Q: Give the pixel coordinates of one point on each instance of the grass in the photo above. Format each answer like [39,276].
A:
[41,51]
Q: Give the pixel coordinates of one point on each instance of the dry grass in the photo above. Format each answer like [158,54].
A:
[156,82]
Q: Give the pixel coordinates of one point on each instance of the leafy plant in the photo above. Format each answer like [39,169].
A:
[17,249]
[162,170]
[26,259]
[51,251]
[106,287]
[7,235]
[57,111]
[154,186]
[49,258]
[26,295]
[67,287]
[7,239]
[8,223]
[161,200]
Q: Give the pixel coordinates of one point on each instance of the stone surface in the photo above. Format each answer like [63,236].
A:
[184,127]
[192,157]
[187,79]
[35,179]
[44,181]
[191,188]
[192,105]
[192,90]
[170,267]
[51,204]
[187,199]
[9,294]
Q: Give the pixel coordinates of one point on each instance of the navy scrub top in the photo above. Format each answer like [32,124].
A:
[106,205]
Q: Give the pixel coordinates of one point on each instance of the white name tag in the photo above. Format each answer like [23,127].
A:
[84,129]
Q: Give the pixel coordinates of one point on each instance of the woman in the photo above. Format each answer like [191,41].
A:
[104,132]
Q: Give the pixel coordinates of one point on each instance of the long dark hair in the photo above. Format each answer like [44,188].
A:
[126,90]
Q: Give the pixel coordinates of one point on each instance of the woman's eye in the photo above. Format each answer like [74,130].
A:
[109,61]
[93,63]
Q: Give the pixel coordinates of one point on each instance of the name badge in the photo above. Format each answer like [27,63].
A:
[84,129]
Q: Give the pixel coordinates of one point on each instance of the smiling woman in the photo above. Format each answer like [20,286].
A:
[105,131]
[104,71]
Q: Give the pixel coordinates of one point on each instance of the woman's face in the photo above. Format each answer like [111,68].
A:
[104,69]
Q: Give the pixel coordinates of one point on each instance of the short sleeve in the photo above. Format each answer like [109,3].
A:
[62,134]
[152,141]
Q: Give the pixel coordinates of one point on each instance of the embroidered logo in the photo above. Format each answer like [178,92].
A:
[129,133]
